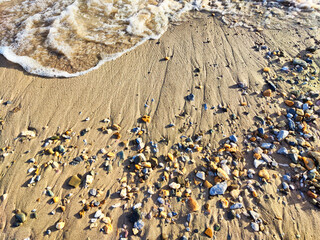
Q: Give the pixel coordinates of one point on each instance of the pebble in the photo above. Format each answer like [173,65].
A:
[236,206]
[219,188]
[21,217]
[233,138]
[216,227]
[282,134]
[98,214]
[283,151]
[255,226]
[93,192]
[209,232]
[75,181]
[263,173]
[267,93]
[60,225]
[190,97]
[193,205]
[300,62]
[201,175]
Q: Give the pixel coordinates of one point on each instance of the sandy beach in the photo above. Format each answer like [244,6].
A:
[191,82]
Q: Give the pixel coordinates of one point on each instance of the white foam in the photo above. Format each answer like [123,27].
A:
[33,67]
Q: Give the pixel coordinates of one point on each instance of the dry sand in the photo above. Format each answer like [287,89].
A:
[119,90]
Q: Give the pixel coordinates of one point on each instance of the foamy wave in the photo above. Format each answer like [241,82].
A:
[67,38]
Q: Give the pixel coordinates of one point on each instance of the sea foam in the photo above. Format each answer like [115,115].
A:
[67,38]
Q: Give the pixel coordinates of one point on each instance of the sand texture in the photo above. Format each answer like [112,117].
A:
[207,59]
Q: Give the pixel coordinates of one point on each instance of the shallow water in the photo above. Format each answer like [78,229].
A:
[71,37]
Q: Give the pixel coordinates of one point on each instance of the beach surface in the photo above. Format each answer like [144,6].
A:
[202,57]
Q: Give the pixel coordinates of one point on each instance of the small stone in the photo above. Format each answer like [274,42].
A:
[316,156]
[289,103]
[60,225]
[135,231]
[89,179]
[201,175]
[263,173]
[222,173]
[282,134]
[209,232]
[190,97]
[50,193]
[224,203]
[300,62]
[257,163]
[216,227]
[108,228]
[254,215]
[4,196]
[300,112]
[174,185]
[146,119]
[170,156]
[21,217]
[219,188]
[267,93]
[193,205]
[292,141]
[236,206]
[255,226]
[266,145]
[266,69]
[75,181]
[98,214]
[282,151]
[294,157]
[233,138]
[207,184]
[309,163]
[93,192]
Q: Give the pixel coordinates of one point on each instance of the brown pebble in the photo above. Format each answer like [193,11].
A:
[193,205]
[209,232]
[267,93]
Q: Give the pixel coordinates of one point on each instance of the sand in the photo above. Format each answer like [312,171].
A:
[118,91]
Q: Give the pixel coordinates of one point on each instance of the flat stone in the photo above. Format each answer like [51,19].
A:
[316,156]
[255,226]
[201,175]
[21,217]
[236,206]
[193,205]
[233,138]
[266,145]
[209,232]
[293,157]
[298,61]
[219,188]
[283,151]
[98,214]
[267,93]
[75,181]
[93,192]
[309,163]
[60,225]
[282,134]
[292,141]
